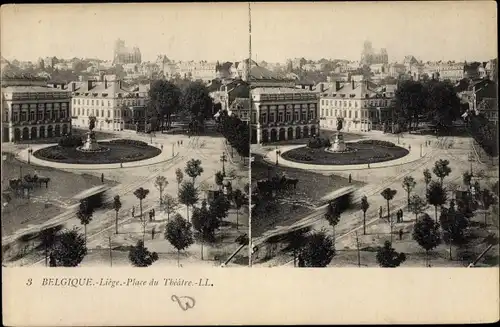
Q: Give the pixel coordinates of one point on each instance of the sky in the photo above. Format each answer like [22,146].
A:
[219,31]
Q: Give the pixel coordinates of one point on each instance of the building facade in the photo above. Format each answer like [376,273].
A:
[369,56]
[359,104]
[123,55]
[283,113]
[110,102]
[32,110]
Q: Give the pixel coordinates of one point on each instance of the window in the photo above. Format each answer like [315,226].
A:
[78,101]
[87,112]
[288,116]
[109,103]
[349,113]
[335,112]
[102,113]
[23,116]
[40,115]
[102,103]
[74,101]
[109,113]
[87,102]
[92,102]
[97,112]
[322,102]
[356,114]
[264,118]
[349,103]
[271,117]
[63,113]
[345,103]
[296,116]
[355,104]
[280,117]
[15,116]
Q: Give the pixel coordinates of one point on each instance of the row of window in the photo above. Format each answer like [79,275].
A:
[38,115]
[95,112]
[347,114]
[96,102]
[348,103]
[288,106]
[285,117]
[40,106]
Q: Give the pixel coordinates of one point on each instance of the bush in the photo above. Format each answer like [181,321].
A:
[70,141]
[386,144]
[318,142]
[140,144]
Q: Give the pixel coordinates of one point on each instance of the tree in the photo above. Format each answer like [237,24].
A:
[161,183]
[204,223]
[467,179]
[318,250]
[488,200]
[178,233]
[441,103]
[436,196]
[364,207]
[239,200]
[426,234]
[170,205]
[188,195]
[117,204]
[139,255]
[441,169]
[410,98]
[296,241]
[179,176]
[388,194]
[196,102]
[427,178]
[408,185]
[164,100]
[219,179]
[84,214]
[141,194]
[387,257]
[453,224]
[332,215]
[69,249]
[48,237]
[417,205]
[219,207]
[193,168]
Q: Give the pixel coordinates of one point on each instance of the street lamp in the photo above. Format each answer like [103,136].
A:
[278,153]
[223,159]
[421,150]
[173,144]
[30,152]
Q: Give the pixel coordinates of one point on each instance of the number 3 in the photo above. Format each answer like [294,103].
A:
[28,283]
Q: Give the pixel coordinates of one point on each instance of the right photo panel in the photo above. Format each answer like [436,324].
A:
[374,131]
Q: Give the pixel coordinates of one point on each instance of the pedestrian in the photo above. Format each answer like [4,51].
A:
[368,165]
[150,215]
[401,214]
[409,146]
[350,179]
[380,212]
[153,233]
[154,213]
[398,216]
[161,147]
[102,178]
[400,234]
[133,211]
[121,164]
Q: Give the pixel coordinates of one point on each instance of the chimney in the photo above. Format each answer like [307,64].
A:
[321,87]
[352,83]
[337,85]
[90,84]
[105,83]
[310,87]
[120,84]
[73,86]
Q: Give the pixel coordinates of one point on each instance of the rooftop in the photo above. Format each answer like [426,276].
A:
[31,89]
[279,90]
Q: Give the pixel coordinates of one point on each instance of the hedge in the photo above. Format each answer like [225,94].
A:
[318,142]
[129,142]
[386,144]
[70,141]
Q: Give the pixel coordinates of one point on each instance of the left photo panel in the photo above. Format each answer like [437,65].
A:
[125,144]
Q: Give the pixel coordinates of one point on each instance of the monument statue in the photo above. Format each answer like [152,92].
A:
[91,145]
[92,120]
[340,123]
[338,144]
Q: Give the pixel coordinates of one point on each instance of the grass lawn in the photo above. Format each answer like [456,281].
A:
[76,131]
[322,133]
[311,188]
[44,203]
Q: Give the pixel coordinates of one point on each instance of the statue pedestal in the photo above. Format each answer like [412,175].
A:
[90,144]
[338,144]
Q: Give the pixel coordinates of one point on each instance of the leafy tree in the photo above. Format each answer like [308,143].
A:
[467,179]
[69,249]
[388,194]
[188,195]
[426,234]
[332,215]
[427,178]
[197,102]
[179,176]
[436,196]
[239,200]
[170,205]
[178,233]
[193,168]
[364,207]
[117,205]
[442,104]
[141,194]
[84,214]
[204,187]
[204,223]
[488,200]
[410,98]
[219,179]
[453,224]
[387,257]
[219,207]
[318,250]
[140,256]
[161,183]
[441,169]
[408,185]
[296,241]
[164,99]
[48,238]
[417,205]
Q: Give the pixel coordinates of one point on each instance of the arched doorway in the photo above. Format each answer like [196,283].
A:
[290,133]
[253,136]
[17,134]
[313,131]
[26,133]
[34,133]
[306,131]
[41,132]
[274,135]
[298,132]
[50,131]
[265,136]
[282,135]
[65,129]
[58,130]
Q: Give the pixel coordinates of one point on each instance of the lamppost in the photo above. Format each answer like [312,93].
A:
[421,150]
[223,159]
[471,160]
[278,153]
[30,152]
[173,144]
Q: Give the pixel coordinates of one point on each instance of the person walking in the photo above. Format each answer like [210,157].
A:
[154,213]
[400,234]
[153,231]
[401,214]
[133,211]
[380,212]
[102,178]
[350,178]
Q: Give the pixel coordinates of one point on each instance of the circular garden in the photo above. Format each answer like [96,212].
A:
[120,151]
[361,152]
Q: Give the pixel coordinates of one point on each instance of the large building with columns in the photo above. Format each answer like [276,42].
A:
[360,104]
[32,110]
[283,113]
